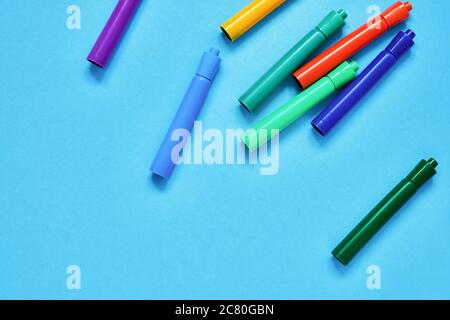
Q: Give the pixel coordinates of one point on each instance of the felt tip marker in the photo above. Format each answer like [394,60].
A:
[298,106]
[294,58]
[384,210]
[352,43]
[168,154]
[248,17]
[366,80]
[112,32]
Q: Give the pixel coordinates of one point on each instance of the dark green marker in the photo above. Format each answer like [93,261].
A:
[373,222]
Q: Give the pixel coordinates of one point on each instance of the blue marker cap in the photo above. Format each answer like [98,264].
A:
[210,64]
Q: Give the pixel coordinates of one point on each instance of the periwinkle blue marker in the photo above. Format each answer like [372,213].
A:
[367,79]
[163,164]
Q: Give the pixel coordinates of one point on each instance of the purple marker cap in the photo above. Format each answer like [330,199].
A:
[112,32]
[401,43]
[354,92]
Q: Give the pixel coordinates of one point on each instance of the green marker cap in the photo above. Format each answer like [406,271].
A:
[334,21]
[423,172]
[343,74]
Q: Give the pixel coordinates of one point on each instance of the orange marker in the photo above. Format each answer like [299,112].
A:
[351,44]
[248,17]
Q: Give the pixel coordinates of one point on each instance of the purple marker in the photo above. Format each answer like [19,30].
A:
[112,32]
[329,117]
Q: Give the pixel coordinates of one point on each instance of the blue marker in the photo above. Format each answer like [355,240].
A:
[164,162]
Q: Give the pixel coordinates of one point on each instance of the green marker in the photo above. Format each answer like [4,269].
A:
[298,106]
[292,60]
[381,214]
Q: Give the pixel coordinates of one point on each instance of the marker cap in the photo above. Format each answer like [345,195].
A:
[423,172]
[249,16]
[402,42]
[209,65]
[112,33]
[344,73]
[398,12]
[334,21]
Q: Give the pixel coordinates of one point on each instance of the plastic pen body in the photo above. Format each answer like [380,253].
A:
[262,89]
[351,44]
[175,138]
[366,80]
[299,105]
[112,32]
[373,222]
[248,17]
[384,210]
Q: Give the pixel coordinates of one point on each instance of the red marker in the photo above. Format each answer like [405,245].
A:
[351,44]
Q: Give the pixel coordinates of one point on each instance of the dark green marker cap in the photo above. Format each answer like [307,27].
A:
[423,172]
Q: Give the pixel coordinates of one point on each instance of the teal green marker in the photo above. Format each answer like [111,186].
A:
[298,106]
[292,60]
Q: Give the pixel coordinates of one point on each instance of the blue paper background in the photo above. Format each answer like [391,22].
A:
[76,144]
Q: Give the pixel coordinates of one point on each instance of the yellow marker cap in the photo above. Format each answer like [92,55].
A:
[248,17]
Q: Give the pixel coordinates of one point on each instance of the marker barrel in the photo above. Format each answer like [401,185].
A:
[112,32]
[169,152]
[298,106]
[366,80]
[381,214]
[298,54]
[248,17]
[351,44]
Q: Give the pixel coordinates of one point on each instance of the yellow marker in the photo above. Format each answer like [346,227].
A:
[248,17]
